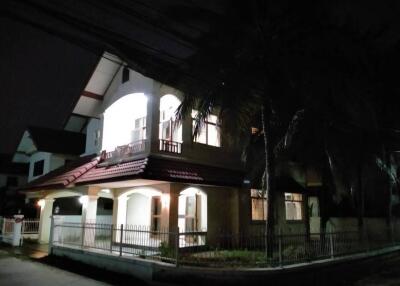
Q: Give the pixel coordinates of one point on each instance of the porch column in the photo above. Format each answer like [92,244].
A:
[89,205]
[46,208]
[173,212]
[120,210]
[89,208]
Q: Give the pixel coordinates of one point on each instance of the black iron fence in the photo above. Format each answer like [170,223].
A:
[198,248]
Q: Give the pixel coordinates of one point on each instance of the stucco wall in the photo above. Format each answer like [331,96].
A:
[226,155]
[92,127]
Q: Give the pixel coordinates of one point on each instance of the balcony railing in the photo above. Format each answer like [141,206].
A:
[170,146]
[125,151]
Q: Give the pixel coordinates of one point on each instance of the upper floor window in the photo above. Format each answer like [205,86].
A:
[210,132]
[294,206]
[258,205]
[169,129]
[125,121]
[139,132]
[38,168]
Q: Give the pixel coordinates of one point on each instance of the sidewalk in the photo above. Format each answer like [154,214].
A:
[20,271]
[31,265]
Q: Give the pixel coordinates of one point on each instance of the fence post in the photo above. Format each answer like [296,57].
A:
[331,244]
[177,247]
[392,234]
[366,238]
[111,237]
[280,246]
[51,234]
[3,228]
[121,237]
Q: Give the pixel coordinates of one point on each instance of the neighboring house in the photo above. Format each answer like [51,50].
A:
[47,149]
[12,177]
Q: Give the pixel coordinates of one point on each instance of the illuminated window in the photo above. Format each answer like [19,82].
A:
[124,121]
[139,130]
[209,133]
[293,206]
[169,130]
[258,205]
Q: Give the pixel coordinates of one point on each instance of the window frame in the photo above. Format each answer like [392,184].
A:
[35,166]
[301,201]
[156,205]
[264,211]
[206,124]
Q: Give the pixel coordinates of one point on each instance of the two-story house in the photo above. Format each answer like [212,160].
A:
[148,164]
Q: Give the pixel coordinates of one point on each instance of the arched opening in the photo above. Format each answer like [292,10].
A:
[140,207]
[170,132]
[192,215]
[125,121]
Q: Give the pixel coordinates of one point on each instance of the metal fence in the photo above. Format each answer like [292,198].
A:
[220,250]
[8,226]
[30,226]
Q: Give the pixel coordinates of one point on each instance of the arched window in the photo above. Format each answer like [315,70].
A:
[170,132]
[125,121]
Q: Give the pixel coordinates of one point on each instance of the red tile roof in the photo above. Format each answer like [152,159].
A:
[165,170]
[88,170]
[63,176]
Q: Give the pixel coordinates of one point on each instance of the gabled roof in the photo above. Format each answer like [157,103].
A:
[57,141]
[89,170]
[63,176]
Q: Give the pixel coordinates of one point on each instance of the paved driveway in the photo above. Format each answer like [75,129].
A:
[17,271]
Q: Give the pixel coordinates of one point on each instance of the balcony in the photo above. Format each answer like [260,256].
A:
[125,151]
[170,146]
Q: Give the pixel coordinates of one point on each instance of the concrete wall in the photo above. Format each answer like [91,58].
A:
[35,158]
[226,155]
[51,162]
[93,125]
[138,210]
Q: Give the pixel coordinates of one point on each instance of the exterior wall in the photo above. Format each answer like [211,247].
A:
[222,212]
[51,162]
[93,125]
[226,155]
[35,158]
[138,210]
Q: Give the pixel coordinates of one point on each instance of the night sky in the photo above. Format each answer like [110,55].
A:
[41,77]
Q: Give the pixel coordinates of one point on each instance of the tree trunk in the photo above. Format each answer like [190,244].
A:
[269,175]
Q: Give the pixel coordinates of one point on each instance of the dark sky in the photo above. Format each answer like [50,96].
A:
[41,76]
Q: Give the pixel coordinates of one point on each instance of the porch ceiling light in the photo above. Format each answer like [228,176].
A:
[41,203]
[106,191]
[83,200]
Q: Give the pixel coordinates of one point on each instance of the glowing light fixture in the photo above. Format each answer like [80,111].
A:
[41,203]
[83,200]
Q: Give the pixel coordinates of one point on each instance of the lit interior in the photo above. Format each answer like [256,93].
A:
[125,121]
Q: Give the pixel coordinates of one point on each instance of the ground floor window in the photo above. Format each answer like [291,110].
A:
[258,205]
[156,214]
[293,206]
